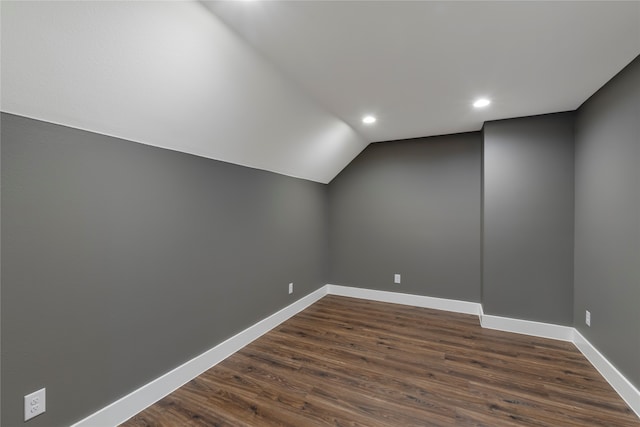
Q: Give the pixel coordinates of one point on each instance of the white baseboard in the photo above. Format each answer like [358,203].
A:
[625,389]
[135,402]
[457,306]
[527,327]
[620,384]
[138,400]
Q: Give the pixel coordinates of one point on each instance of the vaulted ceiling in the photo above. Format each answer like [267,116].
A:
[283,85]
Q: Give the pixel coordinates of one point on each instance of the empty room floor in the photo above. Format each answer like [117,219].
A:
[351,362]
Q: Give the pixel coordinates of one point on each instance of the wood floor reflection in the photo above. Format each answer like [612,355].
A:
[351,362]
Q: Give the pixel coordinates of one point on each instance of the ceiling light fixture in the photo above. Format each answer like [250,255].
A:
[368,120]
[481,102]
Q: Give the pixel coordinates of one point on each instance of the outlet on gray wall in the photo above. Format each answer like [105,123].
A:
[607,221]
[141,258]
[411,206]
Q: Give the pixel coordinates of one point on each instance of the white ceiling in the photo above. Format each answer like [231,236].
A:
[168,74]
[418,65]
[282,86]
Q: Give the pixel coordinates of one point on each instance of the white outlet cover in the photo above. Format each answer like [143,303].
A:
[587,318]
[290,288]
[396,278]
[35,404]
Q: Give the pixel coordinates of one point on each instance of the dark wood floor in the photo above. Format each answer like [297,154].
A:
[350,362]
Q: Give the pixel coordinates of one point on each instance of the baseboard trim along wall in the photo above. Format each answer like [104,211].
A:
[527,327]
[131,404]
[406,299]
[138,400]
[619,382]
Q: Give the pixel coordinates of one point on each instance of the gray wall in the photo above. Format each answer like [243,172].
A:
[528,218]
[607,221]
[410,207]
[121,261]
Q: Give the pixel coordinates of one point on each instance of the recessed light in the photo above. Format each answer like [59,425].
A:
[368,120]
[481,102]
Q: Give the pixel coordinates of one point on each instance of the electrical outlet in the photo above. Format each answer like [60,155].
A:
[587,318]
[396,278]
[34,404]
[290,288]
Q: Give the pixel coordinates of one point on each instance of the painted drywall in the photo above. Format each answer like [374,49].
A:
[132,259]
[409,207]
[168,74]
[527,270]
[121,261]
[607,221]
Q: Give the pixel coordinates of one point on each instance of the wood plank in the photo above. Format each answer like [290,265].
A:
[351,362]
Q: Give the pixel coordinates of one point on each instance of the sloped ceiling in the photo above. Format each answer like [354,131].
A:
[282,86]
[168,74]
[418,65]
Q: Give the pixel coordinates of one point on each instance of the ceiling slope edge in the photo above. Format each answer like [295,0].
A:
[166,74]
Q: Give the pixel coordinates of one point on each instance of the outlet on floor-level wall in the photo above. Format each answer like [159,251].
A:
[35,404]
[290,288]
[587,318]
[396,278]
